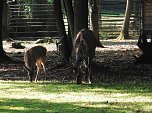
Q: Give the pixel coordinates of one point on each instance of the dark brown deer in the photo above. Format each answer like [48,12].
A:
[84,47]
[35,58]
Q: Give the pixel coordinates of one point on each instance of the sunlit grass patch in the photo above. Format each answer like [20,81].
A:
[26,97]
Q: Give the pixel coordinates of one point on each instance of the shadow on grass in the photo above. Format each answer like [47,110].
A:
[26,104]
[39,106]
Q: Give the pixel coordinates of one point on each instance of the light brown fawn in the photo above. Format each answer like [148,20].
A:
[84,47]
[35,58]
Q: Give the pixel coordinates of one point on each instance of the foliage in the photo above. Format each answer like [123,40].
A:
[50,1]
[103,35]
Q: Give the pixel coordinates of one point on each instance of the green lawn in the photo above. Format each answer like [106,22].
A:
[26,97]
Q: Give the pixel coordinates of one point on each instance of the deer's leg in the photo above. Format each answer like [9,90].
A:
[44,68]
[79,76]
[88,75]
[38,70]
[88,71]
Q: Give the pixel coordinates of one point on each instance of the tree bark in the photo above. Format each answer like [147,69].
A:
[93,14]
[64,50]
[124,34]
[70,18]
[5,21]
[3,56]
[80,15]
[1,19]
[70,15]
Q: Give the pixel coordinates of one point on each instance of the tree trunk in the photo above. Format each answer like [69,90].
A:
[80,15]
[5,21]
[70,15]
[124,34]
[70,18]
[64,49]
[93,14]
[3,56]
[1,19]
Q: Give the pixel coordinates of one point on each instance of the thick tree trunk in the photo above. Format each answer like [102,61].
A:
[80,15]
[93,14]
[5,21]
[3,56]
[124,34]
[1,19]
[64,48]
[70,15]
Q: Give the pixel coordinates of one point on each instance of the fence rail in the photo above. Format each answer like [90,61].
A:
[112,16]
[38,20]
[31,21]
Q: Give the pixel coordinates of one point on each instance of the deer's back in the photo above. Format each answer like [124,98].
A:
[33,55]
[89,39]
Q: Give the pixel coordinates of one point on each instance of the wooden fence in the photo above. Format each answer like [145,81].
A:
[111,18]
[32,21]
[38,20]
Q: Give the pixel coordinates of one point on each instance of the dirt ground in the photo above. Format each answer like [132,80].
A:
[114,63]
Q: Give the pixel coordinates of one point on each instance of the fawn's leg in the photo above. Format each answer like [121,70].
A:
[44,68]
[38,64]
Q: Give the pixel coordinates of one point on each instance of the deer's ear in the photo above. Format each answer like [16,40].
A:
[57,43]
[60,40]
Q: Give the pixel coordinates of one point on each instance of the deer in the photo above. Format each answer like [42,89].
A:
[34,59]
[84,45]
[84,48]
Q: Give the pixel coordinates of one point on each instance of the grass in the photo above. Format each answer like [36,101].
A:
[26,97]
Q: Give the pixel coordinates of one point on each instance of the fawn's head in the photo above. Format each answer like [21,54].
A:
[30,73]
